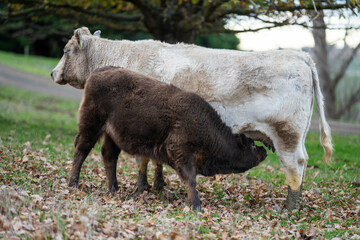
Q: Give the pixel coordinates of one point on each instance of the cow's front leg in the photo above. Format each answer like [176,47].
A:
[159,182]
[110,153]
[142,182]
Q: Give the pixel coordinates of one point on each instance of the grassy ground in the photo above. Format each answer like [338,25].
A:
[36,146]
[33,64]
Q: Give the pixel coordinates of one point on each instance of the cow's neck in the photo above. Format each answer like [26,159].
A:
[126,54]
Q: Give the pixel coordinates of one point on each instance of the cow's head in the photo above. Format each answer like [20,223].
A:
[251,153]
[73,67]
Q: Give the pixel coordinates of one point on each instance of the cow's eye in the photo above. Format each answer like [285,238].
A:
[66,50]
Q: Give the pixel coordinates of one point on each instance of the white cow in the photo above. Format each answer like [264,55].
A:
[266,95]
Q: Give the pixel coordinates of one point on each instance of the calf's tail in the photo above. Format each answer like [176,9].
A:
[325,131]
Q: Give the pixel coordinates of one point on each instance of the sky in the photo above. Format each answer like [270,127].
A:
[295,36]
[291,37]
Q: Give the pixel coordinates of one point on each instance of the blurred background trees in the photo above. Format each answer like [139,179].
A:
[42,27]
[190,21]
[332,64]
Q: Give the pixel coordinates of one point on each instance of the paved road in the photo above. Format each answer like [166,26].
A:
[32,82]
[16,78]
[337,127]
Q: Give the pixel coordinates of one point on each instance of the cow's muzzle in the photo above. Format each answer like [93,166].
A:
[56,78]
[261,154]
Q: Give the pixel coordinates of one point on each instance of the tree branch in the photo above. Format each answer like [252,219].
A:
[143,6]
[355,97]
[102,14]
[6,16]
[248,12]
[25,12]
[212,7]
[344,66]
[224,30]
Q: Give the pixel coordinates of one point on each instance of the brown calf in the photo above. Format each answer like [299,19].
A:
[149,118]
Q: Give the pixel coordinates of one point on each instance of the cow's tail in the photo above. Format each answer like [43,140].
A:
[325,132]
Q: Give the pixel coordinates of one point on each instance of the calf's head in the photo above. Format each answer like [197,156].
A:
[251,153]
[73,67]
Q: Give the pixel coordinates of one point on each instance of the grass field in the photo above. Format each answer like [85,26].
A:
[33,64]
[36,147]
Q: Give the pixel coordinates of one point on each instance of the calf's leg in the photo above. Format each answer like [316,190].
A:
[142,183]
[83,145]
[159,182]
[187,172]
[90,127]
[110,153]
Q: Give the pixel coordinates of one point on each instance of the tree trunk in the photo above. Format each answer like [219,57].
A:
[321,58]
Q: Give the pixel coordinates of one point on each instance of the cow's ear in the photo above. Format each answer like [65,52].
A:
[80,34]
[97,33]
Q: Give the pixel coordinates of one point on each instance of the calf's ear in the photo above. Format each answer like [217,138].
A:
[242,140]
[80,34]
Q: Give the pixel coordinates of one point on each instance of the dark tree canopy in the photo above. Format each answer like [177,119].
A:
[171,20]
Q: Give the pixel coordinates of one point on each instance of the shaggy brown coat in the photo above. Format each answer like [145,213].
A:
[149,118]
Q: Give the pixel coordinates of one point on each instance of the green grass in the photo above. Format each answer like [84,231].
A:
[33,64]
[36,147]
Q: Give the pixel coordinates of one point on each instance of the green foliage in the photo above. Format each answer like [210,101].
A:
[221,40]
[43,25]
[41,35]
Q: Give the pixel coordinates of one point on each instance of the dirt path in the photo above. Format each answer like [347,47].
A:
[32,82]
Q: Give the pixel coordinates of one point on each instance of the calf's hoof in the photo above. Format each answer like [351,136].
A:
[159,185]
[142,184]
[73,183]
[293,199]
[141,188]
[113,188]
[196,208]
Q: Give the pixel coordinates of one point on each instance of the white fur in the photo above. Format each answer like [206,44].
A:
[250,90]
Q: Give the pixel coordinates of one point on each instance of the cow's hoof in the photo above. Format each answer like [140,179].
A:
[159,185]
[293,199]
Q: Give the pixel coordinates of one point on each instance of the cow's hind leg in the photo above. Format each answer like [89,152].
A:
[294,196]
[294,165]
[110,153]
